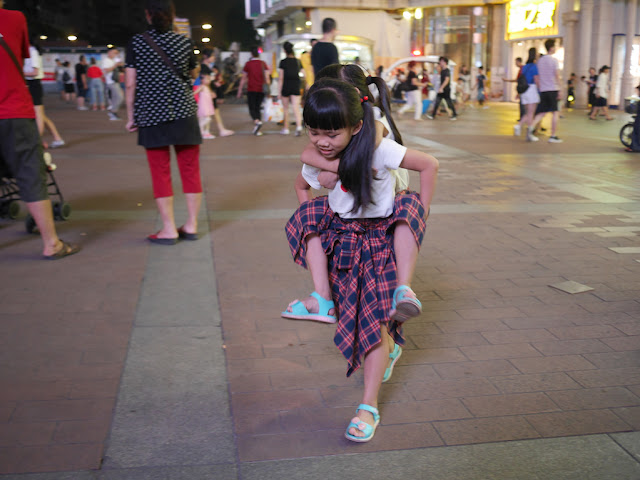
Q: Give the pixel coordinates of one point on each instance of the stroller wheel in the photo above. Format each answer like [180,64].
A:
[13,209]
[61,211]
[30,224]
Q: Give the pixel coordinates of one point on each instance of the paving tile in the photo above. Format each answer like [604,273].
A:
[587,331]
[478,368]
[561,424]
[482,430]
[614,359]
[594,398]
[631,415]
[468,326]
[607,377]
[558,363]
[82,431]
[60,410]
[432,356]
[26,434]
[448,340]
[425,411]
[571,287]
[494,352]
[456,388]
[511,404]
[50,458]
[518,336]
[621,344]
[275,401]
[540,382]
[571,347]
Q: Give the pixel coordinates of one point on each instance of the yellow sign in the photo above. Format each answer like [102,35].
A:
[531,18]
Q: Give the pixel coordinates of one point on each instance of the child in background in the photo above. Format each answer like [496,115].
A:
[204,97]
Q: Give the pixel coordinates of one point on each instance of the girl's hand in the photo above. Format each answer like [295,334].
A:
[131,126]
[328,179]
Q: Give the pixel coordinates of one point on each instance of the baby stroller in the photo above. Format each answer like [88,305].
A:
[10,196]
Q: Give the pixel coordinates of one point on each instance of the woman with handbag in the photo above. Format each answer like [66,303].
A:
[161,108]
[255,75]
[530,97]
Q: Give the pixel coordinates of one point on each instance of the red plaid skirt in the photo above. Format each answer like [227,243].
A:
[362,267]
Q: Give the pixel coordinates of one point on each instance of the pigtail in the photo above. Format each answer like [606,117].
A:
[355,169]
[385,106]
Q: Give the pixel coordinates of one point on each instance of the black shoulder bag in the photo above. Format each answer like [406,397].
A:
[165,58]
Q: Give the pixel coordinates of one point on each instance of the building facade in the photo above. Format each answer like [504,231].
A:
[588,33]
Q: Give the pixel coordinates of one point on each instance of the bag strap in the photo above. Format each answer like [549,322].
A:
[12,55]
[165,58]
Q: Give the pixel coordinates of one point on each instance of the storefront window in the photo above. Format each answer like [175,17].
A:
[459,33]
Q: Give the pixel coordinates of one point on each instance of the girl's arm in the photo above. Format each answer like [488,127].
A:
[130,95]
[310,156]
[280,82]
[302,188]
[427,165]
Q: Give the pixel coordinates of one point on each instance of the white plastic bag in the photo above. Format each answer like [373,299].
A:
[272,111]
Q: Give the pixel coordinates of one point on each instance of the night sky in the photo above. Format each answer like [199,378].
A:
[215,12]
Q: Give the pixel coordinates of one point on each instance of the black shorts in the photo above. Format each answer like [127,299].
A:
[548,102]
[69,88]
[600,102]
[82,92]
[35,88]
[21,157]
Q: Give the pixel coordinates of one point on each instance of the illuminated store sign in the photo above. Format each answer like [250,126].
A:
[531,18]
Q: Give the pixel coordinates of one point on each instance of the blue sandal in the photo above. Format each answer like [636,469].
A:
[300,312]
[403,307]
[393,356]
[364,427]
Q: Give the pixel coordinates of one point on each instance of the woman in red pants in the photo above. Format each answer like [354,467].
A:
[161,108]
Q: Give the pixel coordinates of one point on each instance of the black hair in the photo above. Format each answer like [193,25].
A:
[519,59]
[207,52]
[533,53]
[333,104]
[255,52]
[328,24]
[354,75]
[549,44]
[288,48]
[445,59]
[161,13]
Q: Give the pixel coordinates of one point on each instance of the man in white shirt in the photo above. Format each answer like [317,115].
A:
[110,64]
[549,78]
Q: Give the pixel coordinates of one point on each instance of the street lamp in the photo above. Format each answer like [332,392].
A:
[72,38]
[206,26]
[206,40]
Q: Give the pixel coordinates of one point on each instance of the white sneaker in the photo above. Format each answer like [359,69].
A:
[555,139]
[532,138]
[298,131]
[83,108]
[517,130]
[56,144]
[284,131]
[430,117]
[256,128]
[113,117]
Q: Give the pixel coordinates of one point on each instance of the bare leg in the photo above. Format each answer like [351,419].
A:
[295,105]
[51,126]
[40,118]
[165,207]
[406,252]
[285,109]
[194,200]
[317,265]
[554,122]
[375,363]
[223,132]
[43,216]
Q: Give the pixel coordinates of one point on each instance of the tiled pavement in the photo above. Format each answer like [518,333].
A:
[136,361]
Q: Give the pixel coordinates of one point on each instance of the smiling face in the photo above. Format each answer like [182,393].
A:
[331,143]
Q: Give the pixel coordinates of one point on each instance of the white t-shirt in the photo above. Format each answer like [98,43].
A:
[602,85]
[386,158]
[108,63]
[547,73]
[35,61]
[401,174]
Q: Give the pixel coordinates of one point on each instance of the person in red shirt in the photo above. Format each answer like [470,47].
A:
[21,152]
[255,75]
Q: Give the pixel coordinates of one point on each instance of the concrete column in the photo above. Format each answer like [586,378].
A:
[570,19]
[626,86]
[584,60]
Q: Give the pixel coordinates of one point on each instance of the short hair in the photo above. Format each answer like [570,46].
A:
[207,52]
[549,44]
[288,48]
[412,64]
[328,24]
[255,52]
[444,59]
[519,59]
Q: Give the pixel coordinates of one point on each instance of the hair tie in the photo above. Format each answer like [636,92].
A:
[364,99]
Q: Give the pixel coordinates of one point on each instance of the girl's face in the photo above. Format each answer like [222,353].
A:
[330,143]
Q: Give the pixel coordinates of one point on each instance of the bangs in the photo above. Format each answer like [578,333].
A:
[323,111]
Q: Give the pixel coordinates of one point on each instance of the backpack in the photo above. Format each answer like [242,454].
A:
[522,84]
[66,77]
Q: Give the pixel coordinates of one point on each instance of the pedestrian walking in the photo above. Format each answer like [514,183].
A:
[324,52]
[529,98]
[601,93]
[374,299]
[444,91]
[591,84]
[515,80]
[204,97]
[480,87]
[21,153]
[289,88]
[111,71]
[82,84]
[96,85]
[549,81]
[413,92]
[162,109]
[255,74]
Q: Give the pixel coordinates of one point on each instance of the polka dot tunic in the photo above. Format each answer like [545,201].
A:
[161,96]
